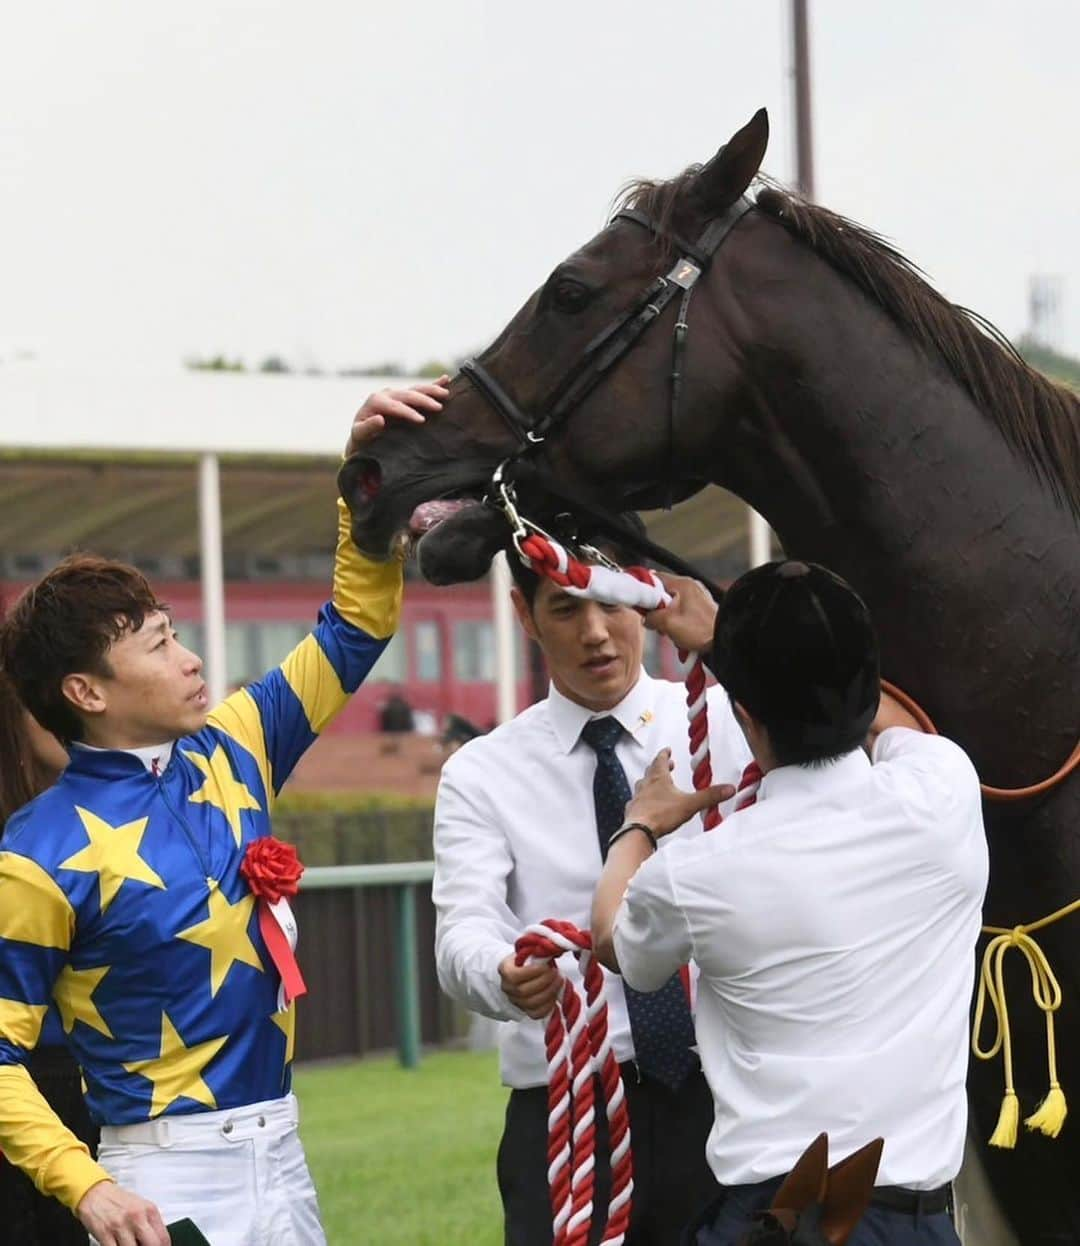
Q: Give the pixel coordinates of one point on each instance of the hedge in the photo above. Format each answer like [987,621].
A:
[335,828]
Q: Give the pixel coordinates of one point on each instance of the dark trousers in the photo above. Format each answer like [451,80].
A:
[728,1219]
[28,1218]
[672,1181]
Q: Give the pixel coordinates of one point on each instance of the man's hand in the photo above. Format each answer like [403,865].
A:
[689,618]
[658,804]
[890,714]
[398,404]
[661,806]
[116,1217]
[533,988]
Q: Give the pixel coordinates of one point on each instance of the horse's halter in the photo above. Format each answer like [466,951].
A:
[615,340]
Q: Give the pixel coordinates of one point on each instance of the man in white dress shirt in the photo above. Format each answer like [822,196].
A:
[833,923]
[521,825]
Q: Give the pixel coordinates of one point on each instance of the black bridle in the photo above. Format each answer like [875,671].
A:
[598,358]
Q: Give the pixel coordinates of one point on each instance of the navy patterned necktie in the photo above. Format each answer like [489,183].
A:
[660,1021]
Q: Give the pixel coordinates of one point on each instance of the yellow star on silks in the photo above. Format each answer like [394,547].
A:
[286,1023]
[222,789]
[225,935]
[177,1072]
[113,854]
[73,991]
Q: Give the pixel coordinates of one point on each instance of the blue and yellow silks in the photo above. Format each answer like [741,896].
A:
[122,901]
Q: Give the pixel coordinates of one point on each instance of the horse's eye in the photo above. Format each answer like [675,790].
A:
[569,295]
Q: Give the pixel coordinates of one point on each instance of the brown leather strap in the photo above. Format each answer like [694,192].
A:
[991,793]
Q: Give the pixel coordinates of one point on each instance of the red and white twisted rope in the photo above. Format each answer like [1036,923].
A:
[578,1045]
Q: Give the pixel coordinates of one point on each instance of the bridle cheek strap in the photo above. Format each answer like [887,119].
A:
[497,398]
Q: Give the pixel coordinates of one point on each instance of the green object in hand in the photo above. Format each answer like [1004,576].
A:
[185,1233]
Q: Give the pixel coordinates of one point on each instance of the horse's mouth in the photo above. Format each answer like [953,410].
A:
[402,507]
[428,515]
[456,539]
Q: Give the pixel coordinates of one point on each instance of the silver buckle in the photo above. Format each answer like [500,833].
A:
[598,556]
[521,528]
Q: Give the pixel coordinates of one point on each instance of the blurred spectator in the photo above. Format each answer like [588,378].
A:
[458,731]
[396,715]
[31,760]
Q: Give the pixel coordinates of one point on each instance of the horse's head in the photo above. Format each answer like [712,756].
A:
[818,1205]
[614,435]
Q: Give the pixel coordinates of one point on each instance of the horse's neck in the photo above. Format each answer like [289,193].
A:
[872,460]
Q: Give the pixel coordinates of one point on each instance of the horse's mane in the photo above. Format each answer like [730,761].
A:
[1039,419]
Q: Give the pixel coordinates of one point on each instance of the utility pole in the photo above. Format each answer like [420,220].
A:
[800,75]
[503,614]
[758,535]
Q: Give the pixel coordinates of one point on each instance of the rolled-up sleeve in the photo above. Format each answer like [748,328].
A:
[651,935]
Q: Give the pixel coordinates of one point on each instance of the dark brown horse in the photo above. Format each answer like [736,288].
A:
[882,432]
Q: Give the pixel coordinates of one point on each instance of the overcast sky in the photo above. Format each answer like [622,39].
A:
[344,182]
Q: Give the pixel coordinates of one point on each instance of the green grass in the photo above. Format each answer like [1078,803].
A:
[405,1156]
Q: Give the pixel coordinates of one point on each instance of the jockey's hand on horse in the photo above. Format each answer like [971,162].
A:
[689,618]
[533,988]
[663,807]
[398,404]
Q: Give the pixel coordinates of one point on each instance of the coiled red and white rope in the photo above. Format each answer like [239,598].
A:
[578,1046]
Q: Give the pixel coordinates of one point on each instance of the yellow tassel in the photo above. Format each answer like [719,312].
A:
[1050,1115]
[1008,1122]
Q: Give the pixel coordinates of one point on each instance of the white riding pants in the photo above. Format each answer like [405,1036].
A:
[239,1174]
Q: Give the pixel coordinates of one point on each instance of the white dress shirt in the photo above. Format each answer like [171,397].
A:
[834,927]
[516,842]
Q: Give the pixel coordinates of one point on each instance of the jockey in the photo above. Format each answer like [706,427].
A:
[833,922]
[522,821]
[129,898]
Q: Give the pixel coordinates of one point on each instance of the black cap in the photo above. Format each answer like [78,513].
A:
[794,645]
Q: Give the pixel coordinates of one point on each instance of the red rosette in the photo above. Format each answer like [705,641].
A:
[272,868]
[273,872]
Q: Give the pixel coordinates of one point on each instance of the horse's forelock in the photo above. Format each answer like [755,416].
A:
[663,202]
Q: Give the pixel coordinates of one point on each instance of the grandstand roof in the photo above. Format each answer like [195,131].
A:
[105,459]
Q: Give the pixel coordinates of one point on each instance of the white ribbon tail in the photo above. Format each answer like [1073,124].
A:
[286,919]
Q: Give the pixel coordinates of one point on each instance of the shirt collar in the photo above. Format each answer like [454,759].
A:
[816,780]
[634,712]
[153,758]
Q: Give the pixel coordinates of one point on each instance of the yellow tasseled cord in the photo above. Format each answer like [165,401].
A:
[1049,1116]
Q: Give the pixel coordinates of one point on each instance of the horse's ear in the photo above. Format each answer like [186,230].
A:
[850,1186]
[806,1183]
[734,166]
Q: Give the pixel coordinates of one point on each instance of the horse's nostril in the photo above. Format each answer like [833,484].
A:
[369,480]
